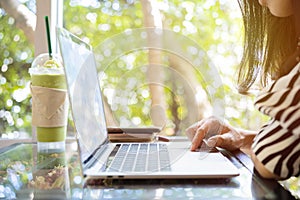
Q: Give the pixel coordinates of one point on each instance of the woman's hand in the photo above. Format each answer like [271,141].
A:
[216,133]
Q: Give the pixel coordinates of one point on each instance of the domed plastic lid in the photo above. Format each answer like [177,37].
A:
[43,64]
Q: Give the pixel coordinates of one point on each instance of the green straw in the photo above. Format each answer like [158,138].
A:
[48,37]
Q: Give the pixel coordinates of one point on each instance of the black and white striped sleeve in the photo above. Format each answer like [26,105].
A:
[277,144]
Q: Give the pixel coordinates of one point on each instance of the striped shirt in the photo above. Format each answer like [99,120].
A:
[277,145]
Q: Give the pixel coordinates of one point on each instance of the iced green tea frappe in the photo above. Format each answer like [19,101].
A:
[49,99]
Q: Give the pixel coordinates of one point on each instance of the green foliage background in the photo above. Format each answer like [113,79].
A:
[16,54]
[214,25]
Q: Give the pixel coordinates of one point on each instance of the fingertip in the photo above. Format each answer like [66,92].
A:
[193,147]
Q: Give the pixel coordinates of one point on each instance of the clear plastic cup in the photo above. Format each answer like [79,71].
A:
[49,102]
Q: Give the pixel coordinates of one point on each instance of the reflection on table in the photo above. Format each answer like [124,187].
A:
[27,174]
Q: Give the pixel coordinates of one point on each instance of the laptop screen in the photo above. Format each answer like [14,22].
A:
[84,92]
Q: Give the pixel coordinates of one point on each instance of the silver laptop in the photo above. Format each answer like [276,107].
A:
[103,159]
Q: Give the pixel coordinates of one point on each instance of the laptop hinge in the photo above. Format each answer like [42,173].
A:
[91,160]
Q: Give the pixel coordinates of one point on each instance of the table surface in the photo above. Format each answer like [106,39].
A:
[25,173]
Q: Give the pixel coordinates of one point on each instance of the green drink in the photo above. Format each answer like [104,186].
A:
[49,102]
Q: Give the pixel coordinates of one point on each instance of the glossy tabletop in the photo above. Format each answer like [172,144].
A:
[27,174]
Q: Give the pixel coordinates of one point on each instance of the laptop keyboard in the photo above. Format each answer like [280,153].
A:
[140,157]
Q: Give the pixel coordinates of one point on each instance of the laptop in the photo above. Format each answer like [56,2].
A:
[102,159]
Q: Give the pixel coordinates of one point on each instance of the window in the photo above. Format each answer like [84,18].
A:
[214,25]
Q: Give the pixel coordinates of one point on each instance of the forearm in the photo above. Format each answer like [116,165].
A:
[261,169]
[248,137]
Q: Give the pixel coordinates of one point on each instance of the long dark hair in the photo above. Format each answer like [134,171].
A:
[268,41]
